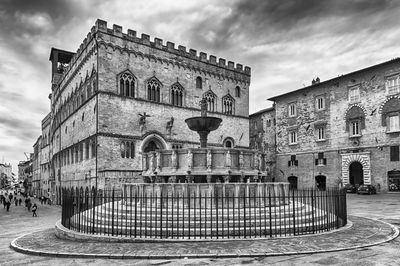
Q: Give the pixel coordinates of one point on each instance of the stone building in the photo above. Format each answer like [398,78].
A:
[5,175]
[36,178]
[120,95]
[343,130]
[262,137]
[47,185]
[25,173]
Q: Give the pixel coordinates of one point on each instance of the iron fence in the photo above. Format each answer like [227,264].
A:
[203,215]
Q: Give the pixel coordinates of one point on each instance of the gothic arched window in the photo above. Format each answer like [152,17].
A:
[199,83]
[153,90]
[127,85]
[228,105]
[176,94]
[211,99]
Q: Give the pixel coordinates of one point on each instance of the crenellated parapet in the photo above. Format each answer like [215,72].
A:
[181,50]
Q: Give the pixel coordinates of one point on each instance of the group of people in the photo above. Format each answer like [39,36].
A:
[8,198]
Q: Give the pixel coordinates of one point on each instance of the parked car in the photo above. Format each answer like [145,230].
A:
[366,189]
[350,188]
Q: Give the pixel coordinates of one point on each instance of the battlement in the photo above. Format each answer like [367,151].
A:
[181,50]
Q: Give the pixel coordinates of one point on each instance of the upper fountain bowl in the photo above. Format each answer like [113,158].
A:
[201,123]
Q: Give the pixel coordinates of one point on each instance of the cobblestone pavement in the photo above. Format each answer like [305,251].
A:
[384,207]
[364,232]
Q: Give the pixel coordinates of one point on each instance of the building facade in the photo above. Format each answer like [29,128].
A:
[262,137]
[344,130]
[47,185]
[25,174]
[36,177]
[121,95]
[5,175]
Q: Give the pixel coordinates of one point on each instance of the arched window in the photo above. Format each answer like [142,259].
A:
[237,91]
[127,149]
[211,99]
[355,121]
[391,115]
[89,90]
[228,142]
[153,90]
[228,105]
[176,94]
[94,84]
[127,85]
[199,83]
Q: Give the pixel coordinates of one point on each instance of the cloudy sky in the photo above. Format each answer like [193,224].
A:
[286,43]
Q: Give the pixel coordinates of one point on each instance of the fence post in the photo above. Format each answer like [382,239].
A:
[294,215]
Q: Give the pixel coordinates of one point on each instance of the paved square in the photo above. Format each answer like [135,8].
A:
[384,207]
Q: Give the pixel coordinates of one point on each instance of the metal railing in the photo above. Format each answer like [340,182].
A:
[203,215]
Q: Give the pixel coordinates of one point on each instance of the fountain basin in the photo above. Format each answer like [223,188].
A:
[199,123]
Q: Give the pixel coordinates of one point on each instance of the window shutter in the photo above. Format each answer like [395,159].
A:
[316,161]
[324,161]
[288,163]
[296,163]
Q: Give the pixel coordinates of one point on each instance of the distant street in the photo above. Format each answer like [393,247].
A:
[385,207]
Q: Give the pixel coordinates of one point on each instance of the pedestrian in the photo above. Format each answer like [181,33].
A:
[8,203]
[19,201]
[16,201]
[34,208]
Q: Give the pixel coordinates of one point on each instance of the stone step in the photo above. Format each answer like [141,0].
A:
[87,218]
[226,232]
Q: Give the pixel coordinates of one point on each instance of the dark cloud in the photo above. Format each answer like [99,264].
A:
[260,21]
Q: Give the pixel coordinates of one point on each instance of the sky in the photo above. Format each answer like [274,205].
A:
[286,43]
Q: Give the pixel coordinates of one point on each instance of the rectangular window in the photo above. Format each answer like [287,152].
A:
[393,85]
[394,123]
[320,103]
[394,153]
[321,133]
[292,110]
[320,161]
[354,95]
[355,128]
[292,137]
[293,161]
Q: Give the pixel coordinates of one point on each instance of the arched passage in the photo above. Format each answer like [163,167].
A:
[356,173]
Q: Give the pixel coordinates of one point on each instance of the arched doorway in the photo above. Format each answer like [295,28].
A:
[356,173]
[292,182]
[152,145]
[320,182]
[153,142]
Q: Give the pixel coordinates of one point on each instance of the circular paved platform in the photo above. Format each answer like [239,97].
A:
[362,233]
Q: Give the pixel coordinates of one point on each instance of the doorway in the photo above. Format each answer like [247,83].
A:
[153,145]
[292,182]
[356,174]
[320,182]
